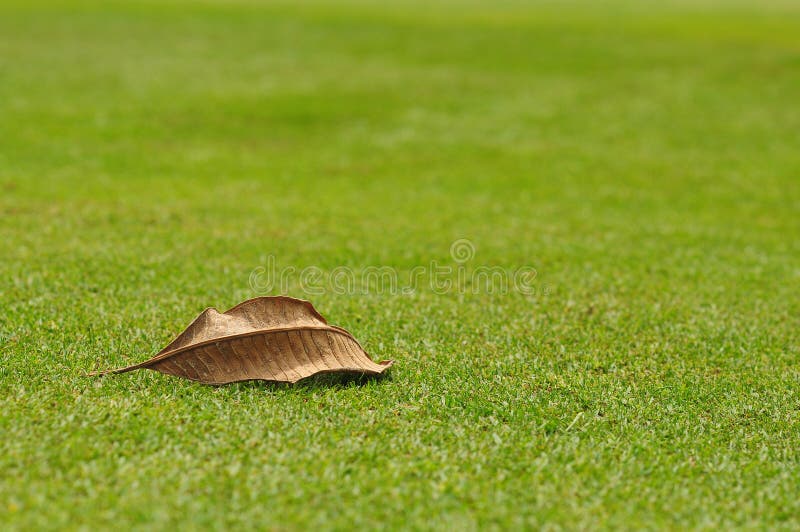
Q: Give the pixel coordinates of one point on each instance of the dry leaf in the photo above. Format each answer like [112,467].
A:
[267,338]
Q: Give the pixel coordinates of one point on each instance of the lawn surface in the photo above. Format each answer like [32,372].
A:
[642,157]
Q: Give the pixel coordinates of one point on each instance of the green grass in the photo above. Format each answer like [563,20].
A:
[643,157]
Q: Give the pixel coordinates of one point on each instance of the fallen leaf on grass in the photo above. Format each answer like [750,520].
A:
[267,338]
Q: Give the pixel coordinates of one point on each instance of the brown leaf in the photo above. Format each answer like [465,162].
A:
[267,338]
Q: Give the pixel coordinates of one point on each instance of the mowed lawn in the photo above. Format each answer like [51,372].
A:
[642,157]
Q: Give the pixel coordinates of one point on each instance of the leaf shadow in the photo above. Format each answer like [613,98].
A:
[333,380]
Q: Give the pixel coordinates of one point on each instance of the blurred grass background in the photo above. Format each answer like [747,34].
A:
[642,156]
